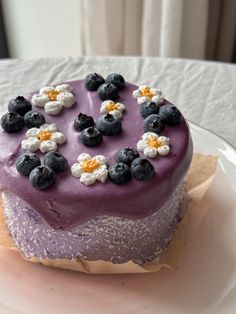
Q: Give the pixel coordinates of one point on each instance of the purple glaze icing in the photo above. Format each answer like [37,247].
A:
[69,203]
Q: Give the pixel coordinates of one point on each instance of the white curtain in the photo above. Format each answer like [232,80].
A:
[165,28]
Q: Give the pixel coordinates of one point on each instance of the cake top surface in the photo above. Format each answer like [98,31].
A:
[70,200]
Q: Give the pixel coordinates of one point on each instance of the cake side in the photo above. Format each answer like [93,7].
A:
[108,238]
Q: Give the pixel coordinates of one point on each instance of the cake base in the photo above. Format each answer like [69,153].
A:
[108,238]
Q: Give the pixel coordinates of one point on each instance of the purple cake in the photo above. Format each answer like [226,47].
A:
[97,172]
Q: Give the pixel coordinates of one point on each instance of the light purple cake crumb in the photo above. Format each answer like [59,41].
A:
[109,238]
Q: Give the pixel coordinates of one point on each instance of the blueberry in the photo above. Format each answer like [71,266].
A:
[148,108]
[93,81]
[91,136]
[42,177]
[142,169]
[12,122]
[26,163]
[170,115]
[34,119]
[82,121]
[19,105]
[109,125]
[116,79]
[153,123]
[108,91]
[119,173]
[127,155]
[56,161]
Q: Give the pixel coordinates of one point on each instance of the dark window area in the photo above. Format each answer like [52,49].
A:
[4,52]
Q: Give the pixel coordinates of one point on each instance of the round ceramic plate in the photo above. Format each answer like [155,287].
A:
[205,282]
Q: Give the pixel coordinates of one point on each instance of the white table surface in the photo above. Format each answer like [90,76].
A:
[204,91]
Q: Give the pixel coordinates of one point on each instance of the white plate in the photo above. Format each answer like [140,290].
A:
[205,283]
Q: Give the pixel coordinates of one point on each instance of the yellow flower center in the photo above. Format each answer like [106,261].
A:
[90,165]
[44,136]
[146,92]
[111,106]
[152,142]
[52,94]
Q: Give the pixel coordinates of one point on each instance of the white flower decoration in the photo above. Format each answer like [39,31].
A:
[45,138]
[145,93]
[53,99]
[89,169]
[151,145]
[112,108]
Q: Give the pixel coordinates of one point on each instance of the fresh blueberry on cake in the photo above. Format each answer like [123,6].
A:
[34,119]
[94,170]
[26,163]
[91,136]
[170,115]
[82,121]
[116,79]
[12,122]
[142,169]
[19,105]
[93,81]
[108,91]
[153,123]
[127,155]
[42,177]
[109,125]
[119,173]
[56,161]
[148,108]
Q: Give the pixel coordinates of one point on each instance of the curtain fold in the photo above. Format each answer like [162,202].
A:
[151,27]
[221,30]
[194,32]
[4,52]
[132,27]
[171,28]
[111,27]
[165,28]
[227,31]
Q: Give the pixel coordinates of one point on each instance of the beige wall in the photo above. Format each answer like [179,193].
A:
[43,28]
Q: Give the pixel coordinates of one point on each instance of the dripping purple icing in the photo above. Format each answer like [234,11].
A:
[69,203]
